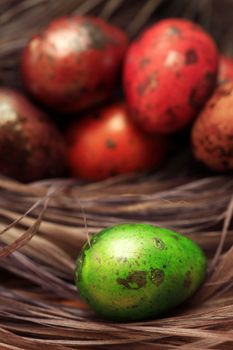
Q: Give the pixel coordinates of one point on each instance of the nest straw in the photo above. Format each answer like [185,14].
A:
[44,224]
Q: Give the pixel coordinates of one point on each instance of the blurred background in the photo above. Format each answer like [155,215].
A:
[20,19]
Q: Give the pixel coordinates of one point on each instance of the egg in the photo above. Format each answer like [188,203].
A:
[106,142]
[212,133]
[73,63]
[169,73]
[132,272]
[31,147]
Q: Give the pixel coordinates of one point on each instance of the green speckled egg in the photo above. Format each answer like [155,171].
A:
[134,272]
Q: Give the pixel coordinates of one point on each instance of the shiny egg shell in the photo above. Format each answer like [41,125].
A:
[137,271]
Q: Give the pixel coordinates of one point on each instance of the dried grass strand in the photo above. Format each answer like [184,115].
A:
[42,233]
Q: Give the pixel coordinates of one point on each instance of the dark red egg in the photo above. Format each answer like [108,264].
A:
[73,63]
[169,73]
[31,147]
[225,73]
[106,143]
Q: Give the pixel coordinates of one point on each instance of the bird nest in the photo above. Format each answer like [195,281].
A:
[44,224]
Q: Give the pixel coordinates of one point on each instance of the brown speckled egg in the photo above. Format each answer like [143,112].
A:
[73,63]
[169,73]
[31,147]
[106,143]
[212,133]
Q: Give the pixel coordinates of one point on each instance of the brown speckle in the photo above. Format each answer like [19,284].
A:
[159,244]
[211,104]
[144,62]
[223,81]
[150,83]
[113,172]
[193,99]
[16,149]
[173,30]
[51,76]
[111,144]
[50,59]
[122,259]
[98,39]
[224,91]
[157,276]
[191,57]
[135,280]
[177,238]
[187,279]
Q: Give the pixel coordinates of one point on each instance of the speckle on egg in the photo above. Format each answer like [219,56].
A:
[184,60]
[212,133]
[142,271]
[31,147]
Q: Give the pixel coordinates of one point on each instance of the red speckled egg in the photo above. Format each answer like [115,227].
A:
[31,147]
[212,133]
[225,73]
[106,143]
[73,63]
[169,73]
